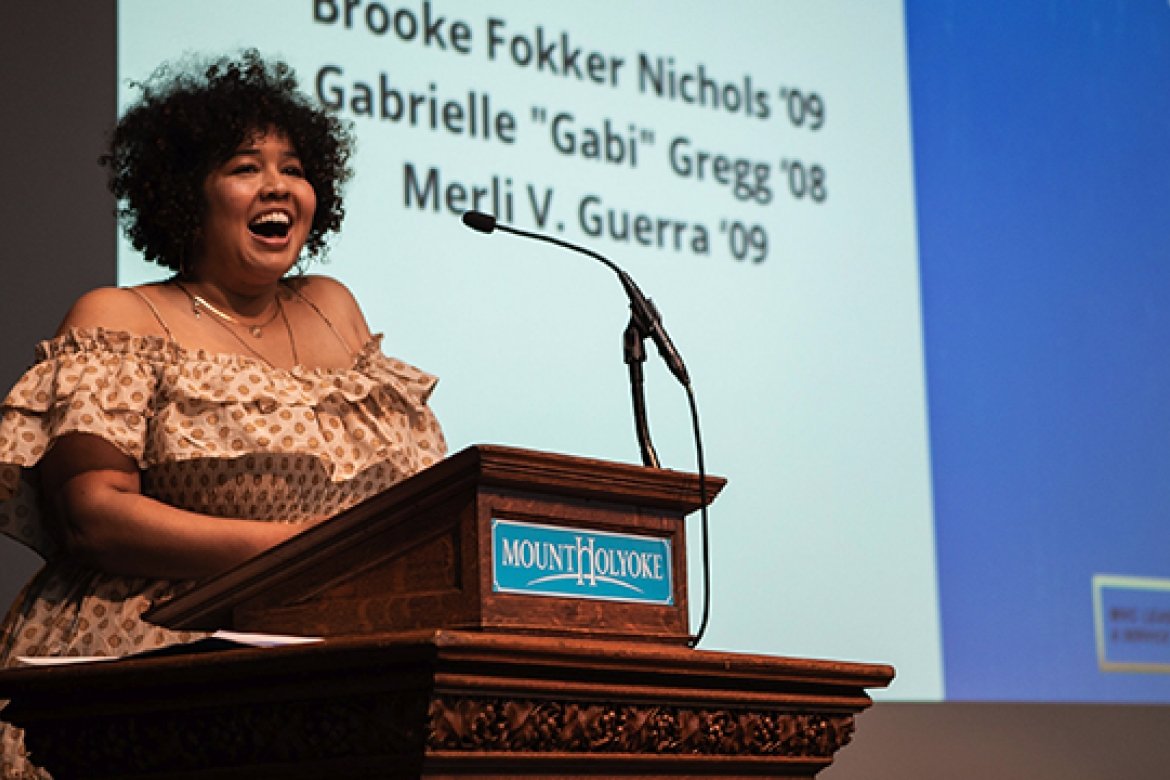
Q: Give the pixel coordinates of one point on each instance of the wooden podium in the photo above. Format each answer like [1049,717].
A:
[438,662]
[420,554]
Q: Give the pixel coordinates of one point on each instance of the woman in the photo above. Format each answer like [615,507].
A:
[180,428]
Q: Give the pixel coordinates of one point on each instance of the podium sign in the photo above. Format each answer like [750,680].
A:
[543,560]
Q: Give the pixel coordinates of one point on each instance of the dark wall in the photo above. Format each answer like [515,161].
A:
[59,100]
[57,220]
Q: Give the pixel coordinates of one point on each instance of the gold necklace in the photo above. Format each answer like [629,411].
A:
[198,302]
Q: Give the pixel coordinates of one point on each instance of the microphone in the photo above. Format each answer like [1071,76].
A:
[642,308]
[477,220]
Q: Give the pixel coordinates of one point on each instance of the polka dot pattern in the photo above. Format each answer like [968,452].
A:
[224,435]
[160,403]
[219,434]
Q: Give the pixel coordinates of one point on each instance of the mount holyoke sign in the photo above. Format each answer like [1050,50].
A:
[545,560]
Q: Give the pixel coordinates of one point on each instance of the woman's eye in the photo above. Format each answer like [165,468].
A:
[294,170]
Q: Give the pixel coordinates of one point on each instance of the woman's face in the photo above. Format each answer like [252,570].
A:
[259,211]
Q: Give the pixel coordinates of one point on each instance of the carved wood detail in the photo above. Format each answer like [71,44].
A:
[440,705]
[393,724]
[274,733]
[537,726]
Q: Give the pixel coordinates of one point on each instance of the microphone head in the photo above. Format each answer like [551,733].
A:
[477,220]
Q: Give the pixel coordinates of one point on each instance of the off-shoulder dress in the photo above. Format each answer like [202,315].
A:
[221,434]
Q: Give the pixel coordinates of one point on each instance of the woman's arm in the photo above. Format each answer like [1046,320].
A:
[92,492]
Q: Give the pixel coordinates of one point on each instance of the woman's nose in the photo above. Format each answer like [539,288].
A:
[274,185]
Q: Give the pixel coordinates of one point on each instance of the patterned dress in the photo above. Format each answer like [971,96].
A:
[224,435]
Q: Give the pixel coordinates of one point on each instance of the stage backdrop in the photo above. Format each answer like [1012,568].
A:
[753,166]
[751,170]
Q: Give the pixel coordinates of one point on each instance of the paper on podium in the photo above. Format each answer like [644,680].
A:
[220,640]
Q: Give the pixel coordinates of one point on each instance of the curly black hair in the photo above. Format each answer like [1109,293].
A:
[188,121]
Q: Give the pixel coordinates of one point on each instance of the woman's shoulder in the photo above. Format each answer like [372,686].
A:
[335,302]
[323,290]
[113,309]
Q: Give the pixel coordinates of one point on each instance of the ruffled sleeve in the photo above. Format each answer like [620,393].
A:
[97,382]
[161,404]
[349,419]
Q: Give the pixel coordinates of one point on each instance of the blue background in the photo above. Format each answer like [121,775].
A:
[1042,165]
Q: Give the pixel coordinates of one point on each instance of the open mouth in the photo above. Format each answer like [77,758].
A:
[273,224]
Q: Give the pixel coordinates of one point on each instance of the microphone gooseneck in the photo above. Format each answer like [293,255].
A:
[645,322]
[642,308]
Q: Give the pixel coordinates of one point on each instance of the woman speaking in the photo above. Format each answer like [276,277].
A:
[173,430]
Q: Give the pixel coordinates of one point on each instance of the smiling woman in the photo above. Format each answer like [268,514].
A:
[173,430]
[259,209]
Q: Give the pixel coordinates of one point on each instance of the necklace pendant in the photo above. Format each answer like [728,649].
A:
[256,331]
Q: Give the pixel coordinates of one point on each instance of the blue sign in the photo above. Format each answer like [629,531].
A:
[545,560]
[1133,623]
